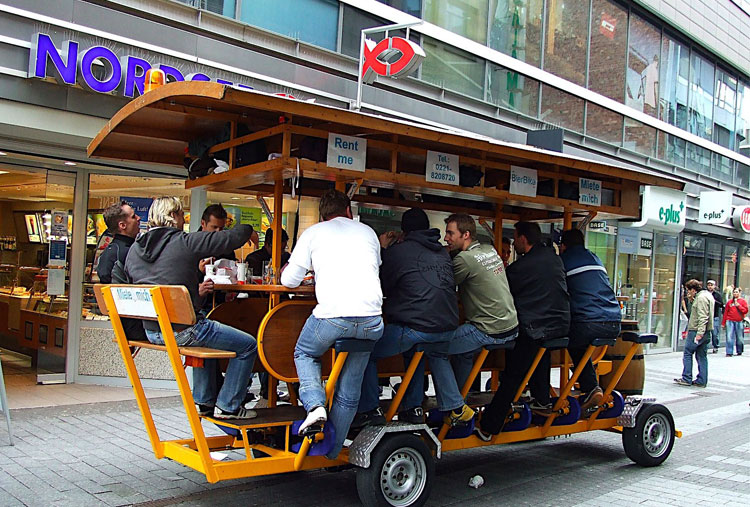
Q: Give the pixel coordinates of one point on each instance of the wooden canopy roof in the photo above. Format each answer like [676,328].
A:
[157,127]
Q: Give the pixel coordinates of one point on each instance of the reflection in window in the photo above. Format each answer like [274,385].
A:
[694,255]
[673,82]
[698,159]
[312,21]
[463,17]
[516,28]
[561,109]
[567,33]
[643,66]
[723,168]
[513,91]
[743,119]
[662,307]
[742,179]
[413,7]
[639,137]
[453,69]
[725,102]
[223,7]
[701,97]
[354,22]
[713,261]
[744,260]
[603,124]
[609,41]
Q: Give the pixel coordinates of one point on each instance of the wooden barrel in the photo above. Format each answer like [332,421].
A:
[632,380]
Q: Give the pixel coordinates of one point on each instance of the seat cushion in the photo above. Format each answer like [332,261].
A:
[555,343]
[354,345]
[498,346]
[432,347]
[630,336]
[600,342]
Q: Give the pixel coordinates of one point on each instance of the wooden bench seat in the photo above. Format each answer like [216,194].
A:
[199,352]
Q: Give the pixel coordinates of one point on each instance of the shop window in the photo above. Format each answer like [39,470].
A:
[672,149]
[567,35]
[729,270]
[744,272]
[513,91]
[413,7]
[604,245]
[467,18]
[355,20]
[639,137]
[664,285]
[608,49]
[643,66]
[673,82]
[742,177]
[453,69]
[223,7]
[603,124]
[713,261]
[725,109]
[516,29]
[561,109]
[700,112]
[693,254]
[311,21]
[698,159]
[723,168]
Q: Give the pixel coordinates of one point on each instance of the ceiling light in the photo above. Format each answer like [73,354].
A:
[3,172]
[70,163]
[235,198]
[3,154]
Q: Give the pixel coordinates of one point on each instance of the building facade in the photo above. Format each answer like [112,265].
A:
[657,86]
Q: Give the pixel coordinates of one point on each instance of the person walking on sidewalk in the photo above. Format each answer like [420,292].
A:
[718,307]
[699,326]
[734,315]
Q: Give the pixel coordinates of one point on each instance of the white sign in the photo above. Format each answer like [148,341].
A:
[662,209]
[635,242]
[56,282]
[346,152]
[442,168]
[715,207]
[134,301]
[523,181]
[589,192]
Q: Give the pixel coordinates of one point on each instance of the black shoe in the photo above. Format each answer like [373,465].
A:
[205,410]
[413,415]
[542,409]
[374,417]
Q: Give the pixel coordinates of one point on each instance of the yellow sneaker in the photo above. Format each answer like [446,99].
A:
[458,416]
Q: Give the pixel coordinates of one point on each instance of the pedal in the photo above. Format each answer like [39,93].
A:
[314,432]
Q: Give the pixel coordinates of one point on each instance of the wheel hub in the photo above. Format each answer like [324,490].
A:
[402,478]
[656,435]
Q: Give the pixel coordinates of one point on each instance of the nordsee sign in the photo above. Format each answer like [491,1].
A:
[73,66]
[346,152]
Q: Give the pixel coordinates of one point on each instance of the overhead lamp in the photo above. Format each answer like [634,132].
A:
[3,154]
[3,172]
[70,163]
[235,198]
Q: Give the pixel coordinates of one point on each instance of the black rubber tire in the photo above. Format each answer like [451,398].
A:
[651,440]
[408,453]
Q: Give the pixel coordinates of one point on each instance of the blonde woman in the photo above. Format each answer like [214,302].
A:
[166,255]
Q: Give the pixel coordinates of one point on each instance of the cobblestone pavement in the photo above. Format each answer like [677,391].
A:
[98,454]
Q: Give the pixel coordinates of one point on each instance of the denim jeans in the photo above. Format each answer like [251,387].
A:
[466,342]
[735,334]
[700,351]
[317,336]
[580,336]
[399,339]
[715,334]
[212,334]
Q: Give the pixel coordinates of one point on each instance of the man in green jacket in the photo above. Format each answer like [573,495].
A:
[483,288]
[700,325]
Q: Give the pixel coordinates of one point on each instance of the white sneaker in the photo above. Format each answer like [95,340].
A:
[316,416]
[242,413]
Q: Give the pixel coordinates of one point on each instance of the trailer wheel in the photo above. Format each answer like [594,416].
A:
[650,441]
[400,473]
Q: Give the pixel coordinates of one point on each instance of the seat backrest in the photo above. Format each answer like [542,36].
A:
[278,335]
[135,301]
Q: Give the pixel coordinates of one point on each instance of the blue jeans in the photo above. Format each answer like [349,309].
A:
[212,334]
[700,351]
[735,334]
[317,336]
[466,342]
[399,339]
[715,334]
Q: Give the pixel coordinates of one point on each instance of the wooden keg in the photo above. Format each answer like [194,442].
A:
[632,380]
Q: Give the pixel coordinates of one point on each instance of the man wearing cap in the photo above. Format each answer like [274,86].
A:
[421,307]
[718,307]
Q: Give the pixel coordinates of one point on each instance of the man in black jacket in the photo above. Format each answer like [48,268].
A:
[166,255]
[718,307]
[124,225]
[540,293]
[421,307]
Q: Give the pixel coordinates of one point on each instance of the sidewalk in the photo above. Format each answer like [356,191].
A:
[98,453]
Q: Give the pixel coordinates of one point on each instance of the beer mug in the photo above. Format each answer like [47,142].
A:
[241,272]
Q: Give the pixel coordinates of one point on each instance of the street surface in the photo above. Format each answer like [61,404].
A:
[98,454]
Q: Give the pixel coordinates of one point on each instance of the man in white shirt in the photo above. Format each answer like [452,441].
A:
[345,257]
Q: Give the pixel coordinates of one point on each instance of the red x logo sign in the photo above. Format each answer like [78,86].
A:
[376,56]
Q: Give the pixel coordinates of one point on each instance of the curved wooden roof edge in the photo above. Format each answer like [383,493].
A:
[260,100]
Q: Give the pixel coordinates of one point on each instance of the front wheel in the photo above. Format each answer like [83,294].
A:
[400,473]
[650,441]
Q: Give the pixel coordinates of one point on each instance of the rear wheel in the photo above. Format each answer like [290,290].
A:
[650,441]
[400,473]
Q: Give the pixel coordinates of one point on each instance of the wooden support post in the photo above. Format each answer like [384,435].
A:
[394,154]
[233,149]
[278,209]
[567,219]
[499,225]
[340,184]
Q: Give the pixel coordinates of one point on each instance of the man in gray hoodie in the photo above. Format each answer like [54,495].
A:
[166,255]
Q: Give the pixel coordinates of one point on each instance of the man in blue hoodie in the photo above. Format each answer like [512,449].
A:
[594,310]
[421,307]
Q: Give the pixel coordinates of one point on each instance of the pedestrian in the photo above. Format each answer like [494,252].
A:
[699,326]
[734,322]
[718,307]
